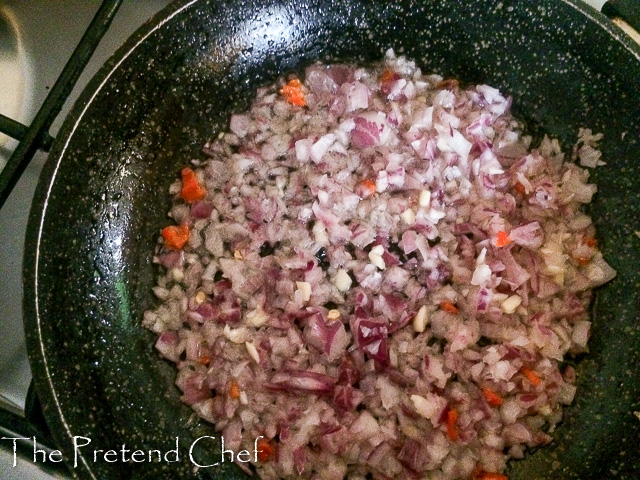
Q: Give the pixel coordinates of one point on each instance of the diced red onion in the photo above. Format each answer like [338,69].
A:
[301,381]
[380,205]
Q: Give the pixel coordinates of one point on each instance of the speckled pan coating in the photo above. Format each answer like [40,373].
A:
[102,199]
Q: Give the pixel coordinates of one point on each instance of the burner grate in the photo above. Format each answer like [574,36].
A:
[36,136]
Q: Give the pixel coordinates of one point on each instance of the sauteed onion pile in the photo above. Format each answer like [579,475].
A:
[375,271]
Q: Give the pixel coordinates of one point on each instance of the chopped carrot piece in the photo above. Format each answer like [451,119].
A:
[493,476]
[387,80]
[264,450]
[531,376]
[387,76]
[582,261]
[175,236]
[503,239]
[449,307]
[192,190]
[234,389]
[520,188]
[480,474]
[452,418]
[293,93]
[365,188]
[448,84]
[591,242]
[204,360]
[492,397]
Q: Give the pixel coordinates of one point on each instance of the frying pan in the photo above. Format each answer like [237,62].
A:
[102,200]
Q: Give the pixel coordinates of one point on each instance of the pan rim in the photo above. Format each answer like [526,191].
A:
[43,379]
[607,24]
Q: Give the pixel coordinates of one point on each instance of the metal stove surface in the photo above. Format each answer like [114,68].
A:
[45,35]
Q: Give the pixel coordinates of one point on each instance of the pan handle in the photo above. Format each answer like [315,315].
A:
[626,12]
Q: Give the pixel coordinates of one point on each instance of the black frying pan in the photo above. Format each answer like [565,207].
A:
[103,198]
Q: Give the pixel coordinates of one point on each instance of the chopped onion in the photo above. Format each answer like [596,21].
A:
[381,281]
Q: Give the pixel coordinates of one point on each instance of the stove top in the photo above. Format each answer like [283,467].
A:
[36,40]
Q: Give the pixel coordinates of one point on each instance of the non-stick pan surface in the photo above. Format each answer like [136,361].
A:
[103,198]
